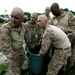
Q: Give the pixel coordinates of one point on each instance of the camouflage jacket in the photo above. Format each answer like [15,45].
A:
[64,22]
[53,36]
[33,34]
[12,40]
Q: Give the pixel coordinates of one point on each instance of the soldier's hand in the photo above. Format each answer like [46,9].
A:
[38,54]
[70,30]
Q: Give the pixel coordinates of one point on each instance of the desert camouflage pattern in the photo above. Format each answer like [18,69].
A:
[33,34]
[49,18]
[63,21]
[60,56]
[12,46]
[46,41]
[67,23]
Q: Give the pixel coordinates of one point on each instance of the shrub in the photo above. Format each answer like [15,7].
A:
[3,68]
[1,20]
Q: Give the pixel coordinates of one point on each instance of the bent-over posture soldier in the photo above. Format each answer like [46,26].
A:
[58,39]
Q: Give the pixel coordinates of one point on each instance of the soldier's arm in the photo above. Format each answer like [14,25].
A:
[71,20]
[65,28]
[6,46]
[46,42]
[27,37]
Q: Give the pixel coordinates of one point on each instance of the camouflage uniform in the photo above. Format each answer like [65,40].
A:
[67,23]
[12,46]
[63,21]
[47,12]
[62,48]
[33,36]
[49,18]
[72,38]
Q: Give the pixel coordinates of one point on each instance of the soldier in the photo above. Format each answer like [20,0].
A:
[58,39]
[33,34]
[65,21]
[47,13]
[12,34]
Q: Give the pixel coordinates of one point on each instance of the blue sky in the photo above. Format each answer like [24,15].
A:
[33,5]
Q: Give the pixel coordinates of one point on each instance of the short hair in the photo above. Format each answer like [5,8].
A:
[43,17]
[34,14]
[19,10]
[47,8]
[54,5]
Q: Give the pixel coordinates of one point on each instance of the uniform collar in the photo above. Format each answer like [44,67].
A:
[62,15]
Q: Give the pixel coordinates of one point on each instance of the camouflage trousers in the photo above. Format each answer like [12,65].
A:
[72,40]
[58,60]
[16,63]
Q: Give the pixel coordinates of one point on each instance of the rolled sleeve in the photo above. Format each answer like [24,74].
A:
[46,42]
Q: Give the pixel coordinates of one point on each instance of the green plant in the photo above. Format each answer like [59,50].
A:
[1,24]
[1,20]
[3,68]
